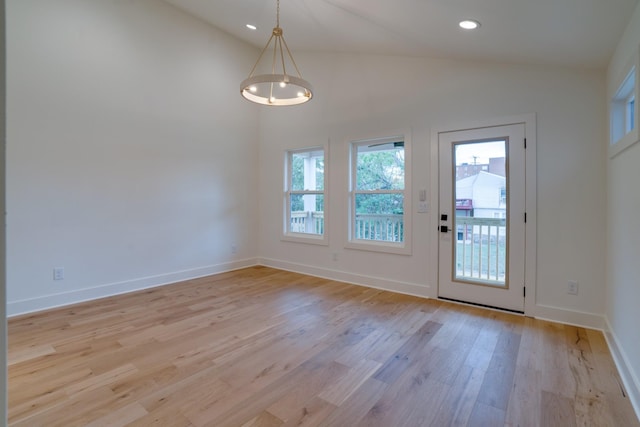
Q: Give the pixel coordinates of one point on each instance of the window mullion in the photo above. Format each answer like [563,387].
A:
[303,192]
[379,191]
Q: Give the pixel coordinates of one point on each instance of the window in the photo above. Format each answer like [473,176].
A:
[503,195]
[623,112]
[379,206]
[304,195]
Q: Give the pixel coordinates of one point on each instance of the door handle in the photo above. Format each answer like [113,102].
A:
[445,229]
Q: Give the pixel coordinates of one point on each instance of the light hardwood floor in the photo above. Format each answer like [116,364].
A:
[263,347]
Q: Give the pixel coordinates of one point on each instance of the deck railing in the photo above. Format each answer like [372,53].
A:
[387,228]
[481,249]
[307,222]
[380,227]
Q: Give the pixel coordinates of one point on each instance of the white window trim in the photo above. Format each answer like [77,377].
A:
[627,88]
[287,235]
[629,115]
[404,248]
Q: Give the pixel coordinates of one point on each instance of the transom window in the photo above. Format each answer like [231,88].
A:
[623,108]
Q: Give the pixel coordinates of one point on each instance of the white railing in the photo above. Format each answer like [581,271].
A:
[481,249]
[387,228]
[307,222]
[381,227]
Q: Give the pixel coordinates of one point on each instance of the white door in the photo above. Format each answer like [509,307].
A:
[482,216]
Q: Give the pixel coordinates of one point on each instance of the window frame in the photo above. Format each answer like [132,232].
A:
[622,109]
[287,234]
[400,248]
[630,114]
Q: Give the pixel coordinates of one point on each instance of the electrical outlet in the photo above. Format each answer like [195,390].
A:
[334,256]
[572,287]
[58,273]
[234,249]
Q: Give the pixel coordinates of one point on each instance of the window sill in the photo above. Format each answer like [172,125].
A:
[385,247]
[623,143]
[310,239]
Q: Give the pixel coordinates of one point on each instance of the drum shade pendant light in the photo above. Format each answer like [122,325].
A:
[277,88]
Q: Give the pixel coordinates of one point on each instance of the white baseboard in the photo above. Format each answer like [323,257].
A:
[569,317]
[629,377]
[15,308]
[407,288]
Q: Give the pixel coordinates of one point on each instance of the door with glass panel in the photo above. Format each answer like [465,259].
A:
[482,216]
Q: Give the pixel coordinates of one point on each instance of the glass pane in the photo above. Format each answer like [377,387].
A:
[481,203]
[307,213]
[380,166]
[307,171]
[379,217]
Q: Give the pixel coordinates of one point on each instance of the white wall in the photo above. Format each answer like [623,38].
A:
[3,253]
[132,158]
[623,210]
[365,95]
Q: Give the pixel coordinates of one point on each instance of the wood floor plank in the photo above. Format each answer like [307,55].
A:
[557,410]
[498,379]
[78,410]
[264,419]
[488,416]
[553,363]
[408,354]
[615,402]
[120,418]
[357,405]
[29,353]
[524,402]
[265,347]
[349,383]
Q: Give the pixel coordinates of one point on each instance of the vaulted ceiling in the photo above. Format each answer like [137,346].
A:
[577,33]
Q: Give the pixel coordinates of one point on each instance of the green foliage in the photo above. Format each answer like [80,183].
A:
[297,173]
[380,170]
[387,204]
[297,202]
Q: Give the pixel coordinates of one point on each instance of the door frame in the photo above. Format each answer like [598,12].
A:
[529,122]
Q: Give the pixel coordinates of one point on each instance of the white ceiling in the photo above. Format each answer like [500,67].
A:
[580,33]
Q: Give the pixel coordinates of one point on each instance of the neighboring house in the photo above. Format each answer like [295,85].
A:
[481,196]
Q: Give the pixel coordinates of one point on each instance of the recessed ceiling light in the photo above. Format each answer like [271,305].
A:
[252,27]
[469,24]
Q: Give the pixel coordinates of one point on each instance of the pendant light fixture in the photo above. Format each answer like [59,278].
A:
[277,88]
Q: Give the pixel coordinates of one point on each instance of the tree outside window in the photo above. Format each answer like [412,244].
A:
[378,196]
